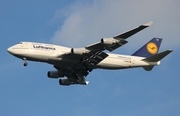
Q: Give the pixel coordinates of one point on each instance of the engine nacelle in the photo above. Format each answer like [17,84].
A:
[54,74]
[79,51]
[109,41]
[66,82]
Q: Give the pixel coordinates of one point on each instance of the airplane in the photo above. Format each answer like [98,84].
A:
[76,63]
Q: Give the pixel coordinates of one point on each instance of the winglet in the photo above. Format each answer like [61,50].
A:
[148,24]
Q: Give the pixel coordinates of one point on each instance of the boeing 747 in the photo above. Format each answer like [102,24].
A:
[76,63]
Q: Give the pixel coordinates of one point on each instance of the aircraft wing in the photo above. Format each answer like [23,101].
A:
[111,44]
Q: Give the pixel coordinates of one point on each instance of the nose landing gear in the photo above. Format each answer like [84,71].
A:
[25,63]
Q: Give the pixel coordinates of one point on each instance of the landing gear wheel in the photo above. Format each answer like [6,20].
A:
[25,63]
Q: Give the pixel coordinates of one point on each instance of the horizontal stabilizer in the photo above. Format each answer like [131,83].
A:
[157,57]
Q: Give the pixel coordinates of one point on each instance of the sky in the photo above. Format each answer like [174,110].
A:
[77,23]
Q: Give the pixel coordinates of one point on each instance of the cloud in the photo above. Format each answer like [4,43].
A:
[88,22]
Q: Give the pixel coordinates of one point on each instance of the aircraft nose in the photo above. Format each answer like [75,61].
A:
[9,50]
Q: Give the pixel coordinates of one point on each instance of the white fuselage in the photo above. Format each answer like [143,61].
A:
[52,54]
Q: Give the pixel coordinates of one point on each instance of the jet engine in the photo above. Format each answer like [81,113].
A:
[66,82]
[109,41]
[79,51]
[54,74]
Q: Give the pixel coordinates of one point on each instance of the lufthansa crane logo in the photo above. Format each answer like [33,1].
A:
[152,48]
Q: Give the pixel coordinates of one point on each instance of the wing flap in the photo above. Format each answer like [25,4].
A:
[93,59]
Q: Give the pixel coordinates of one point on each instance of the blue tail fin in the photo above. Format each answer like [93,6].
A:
[149,49]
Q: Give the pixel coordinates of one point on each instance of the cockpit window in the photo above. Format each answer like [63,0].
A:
[20,42]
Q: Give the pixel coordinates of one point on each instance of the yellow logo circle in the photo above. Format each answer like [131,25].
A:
[152,48]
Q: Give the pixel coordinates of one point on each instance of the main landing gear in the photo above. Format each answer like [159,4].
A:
[25,62]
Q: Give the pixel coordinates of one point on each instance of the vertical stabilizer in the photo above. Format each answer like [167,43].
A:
[149,49]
